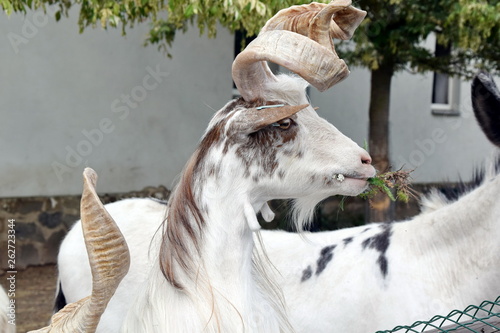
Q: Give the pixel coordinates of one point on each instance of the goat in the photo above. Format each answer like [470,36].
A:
[375,277]
[269,144]
[356,280]
[5,326]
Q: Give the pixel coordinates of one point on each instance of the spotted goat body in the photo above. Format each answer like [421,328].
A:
[204,274]
[359,279]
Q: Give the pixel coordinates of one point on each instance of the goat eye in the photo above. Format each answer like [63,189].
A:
[284,123]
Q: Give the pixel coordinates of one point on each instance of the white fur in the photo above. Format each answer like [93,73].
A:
[227,286]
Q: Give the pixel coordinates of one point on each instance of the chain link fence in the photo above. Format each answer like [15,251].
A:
[484,318]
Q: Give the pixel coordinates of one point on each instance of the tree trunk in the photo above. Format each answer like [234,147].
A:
[381,208]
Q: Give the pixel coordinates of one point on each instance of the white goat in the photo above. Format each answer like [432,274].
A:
[205,274]
[381,275]
[5,326]
[353,280]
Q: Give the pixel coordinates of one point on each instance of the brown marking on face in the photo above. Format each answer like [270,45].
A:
[261,148]
[288,134]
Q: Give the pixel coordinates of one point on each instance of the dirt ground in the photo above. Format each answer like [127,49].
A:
[34,299]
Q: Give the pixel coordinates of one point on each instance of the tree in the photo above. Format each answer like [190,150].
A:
[388,41]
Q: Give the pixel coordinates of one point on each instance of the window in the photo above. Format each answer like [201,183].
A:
[445,89]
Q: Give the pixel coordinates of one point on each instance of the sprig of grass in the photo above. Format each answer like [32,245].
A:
[385,182]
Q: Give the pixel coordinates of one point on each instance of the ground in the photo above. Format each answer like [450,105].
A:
[34,299]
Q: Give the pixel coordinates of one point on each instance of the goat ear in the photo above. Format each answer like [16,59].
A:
[254,119]
[486,105]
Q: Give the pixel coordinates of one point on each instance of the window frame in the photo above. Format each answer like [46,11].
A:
[452,107]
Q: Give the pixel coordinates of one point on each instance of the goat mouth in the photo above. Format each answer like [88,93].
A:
[341,177]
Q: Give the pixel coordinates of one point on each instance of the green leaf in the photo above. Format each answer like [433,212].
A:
[7,7]
[342,203]
[401,196]
[189,11]
[365,145]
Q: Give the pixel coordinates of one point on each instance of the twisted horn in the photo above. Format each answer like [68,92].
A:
[300,39]
[109,261]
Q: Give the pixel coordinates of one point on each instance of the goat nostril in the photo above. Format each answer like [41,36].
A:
[366,160]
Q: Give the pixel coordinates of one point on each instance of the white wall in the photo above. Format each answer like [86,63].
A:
[439,147]
[56,85]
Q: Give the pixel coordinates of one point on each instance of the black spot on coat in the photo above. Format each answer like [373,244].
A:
[306,274]
[380,242]
[347,240]
[325,257]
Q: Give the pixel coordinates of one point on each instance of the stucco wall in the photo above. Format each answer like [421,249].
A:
[98,99]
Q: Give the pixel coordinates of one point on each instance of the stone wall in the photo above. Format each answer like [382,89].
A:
[42,222]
